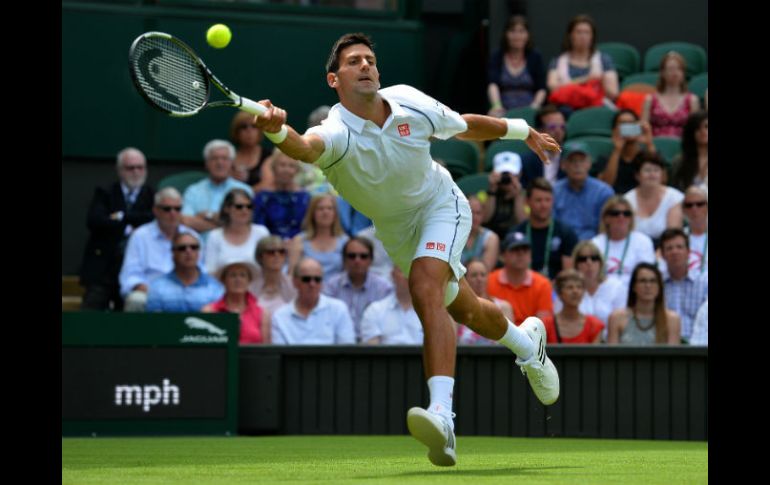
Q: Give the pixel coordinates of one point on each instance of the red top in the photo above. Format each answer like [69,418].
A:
[591,328]
[668,124]
[251,319]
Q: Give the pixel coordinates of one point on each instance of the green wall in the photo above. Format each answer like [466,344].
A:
[280,57]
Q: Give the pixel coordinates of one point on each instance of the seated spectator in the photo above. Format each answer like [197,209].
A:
[113,214]
[684,293]
[203,199]
[528,292]
[148,252]
[700,328]
[187,288]
[516,73]
[602,295]
[691,167]
[321,238]
[272,287]
[283,209]
[622,247]
[312,318]
[238,237]
[392,320]
[570,325]
[656,205]
[310,177]
[547,120]
[669,106]
[578,199]
[482,243]
[476,276]
[249,165]
[646,320]
[356,285]
[552,241]
[255,321]
[504,207]
[382,264]
[352,221]
[629,138]
[582,76]
[696,211]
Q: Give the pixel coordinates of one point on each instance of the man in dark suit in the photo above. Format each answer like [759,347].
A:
[114,213]
[548,120]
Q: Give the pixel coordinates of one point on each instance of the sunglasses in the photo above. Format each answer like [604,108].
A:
[246,125]
[615,213]
[308,279]
[363,256]
[273,252]
[690,205]
[129,168]
[185,247]
[169,208]
[592,257]
[243,206]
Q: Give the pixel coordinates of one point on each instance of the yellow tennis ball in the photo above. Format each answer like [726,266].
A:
[218,36]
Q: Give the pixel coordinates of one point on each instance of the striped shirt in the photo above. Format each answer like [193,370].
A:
[685,297]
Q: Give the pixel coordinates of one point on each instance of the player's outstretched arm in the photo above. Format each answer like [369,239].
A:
[482,127]
[306,148]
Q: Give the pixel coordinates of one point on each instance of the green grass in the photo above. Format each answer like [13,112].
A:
[378,460]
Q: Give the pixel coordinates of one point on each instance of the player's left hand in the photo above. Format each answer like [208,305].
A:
[540,142]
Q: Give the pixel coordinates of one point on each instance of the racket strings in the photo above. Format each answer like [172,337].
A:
[169,75]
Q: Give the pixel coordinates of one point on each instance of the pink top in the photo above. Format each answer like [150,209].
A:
[251,319]
[665,123]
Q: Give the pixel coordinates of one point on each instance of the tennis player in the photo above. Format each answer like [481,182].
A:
[374,148]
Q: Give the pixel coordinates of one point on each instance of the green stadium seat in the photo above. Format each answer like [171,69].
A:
[698,85]
[516,146]
[694,54]
[180,181]
[590,121]
[458,150]
[625,57]
[527,113]
[649,78]
[473,184]
[668,147]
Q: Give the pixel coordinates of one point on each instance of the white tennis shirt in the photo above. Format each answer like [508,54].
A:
[388,172]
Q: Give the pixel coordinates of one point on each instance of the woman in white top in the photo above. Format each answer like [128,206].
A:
[621,246]
[603,295]
[237,238]
[657,206]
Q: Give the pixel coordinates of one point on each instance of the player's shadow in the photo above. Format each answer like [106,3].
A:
[495,472]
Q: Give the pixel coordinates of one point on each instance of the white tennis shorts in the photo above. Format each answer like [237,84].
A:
[439,230]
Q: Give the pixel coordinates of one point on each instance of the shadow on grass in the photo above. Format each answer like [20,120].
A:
[495,472]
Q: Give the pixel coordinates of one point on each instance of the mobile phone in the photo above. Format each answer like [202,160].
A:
[630,129]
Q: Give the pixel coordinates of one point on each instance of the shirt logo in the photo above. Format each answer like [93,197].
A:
[434,245]
[403,129]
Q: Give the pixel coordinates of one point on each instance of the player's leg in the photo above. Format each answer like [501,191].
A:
[526,341]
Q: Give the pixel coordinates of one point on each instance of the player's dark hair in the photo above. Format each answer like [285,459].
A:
[333,64]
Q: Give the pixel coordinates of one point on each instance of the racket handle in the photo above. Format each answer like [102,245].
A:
[252,106]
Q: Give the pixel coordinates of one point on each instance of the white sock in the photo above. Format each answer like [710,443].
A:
[518,341]
[441,396]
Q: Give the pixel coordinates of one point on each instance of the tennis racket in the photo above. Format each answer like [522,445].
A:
[173,79]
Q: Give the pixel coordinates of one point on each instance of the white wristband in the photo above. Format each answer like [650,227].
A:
[518,129]
[279,137]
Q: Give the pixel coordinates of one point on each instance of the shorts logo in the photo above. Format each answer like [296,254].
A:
[403,130]
[434,245]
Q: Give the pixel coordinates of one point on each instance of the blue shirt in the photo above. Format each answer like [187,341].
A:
[685,297]
[148,256]
[357,299]
[206,196]
[581,210]
[327,324]
[169,294]
[281,212]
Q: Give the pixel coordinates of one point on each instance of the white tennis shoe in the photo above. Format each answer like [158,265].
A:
[539,369]
[435,432]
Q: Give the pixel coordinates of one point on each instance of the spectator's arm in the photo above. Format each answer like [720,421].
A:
[266,327]
[610,84]
[496,108]
[295,252]
[616,323]
[370,330]
[491,251]
[132,272]
[674,218]
[345,332]
[610,173]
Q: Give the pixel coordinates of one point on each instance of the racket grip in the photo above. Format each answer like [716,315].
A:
[252,106]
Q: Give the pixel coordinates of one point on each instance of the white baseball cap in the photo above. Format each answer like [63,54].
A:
[507,162]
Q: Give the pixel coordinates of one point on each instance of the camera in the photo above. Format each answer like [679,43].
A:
[630,129]
[505,178]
